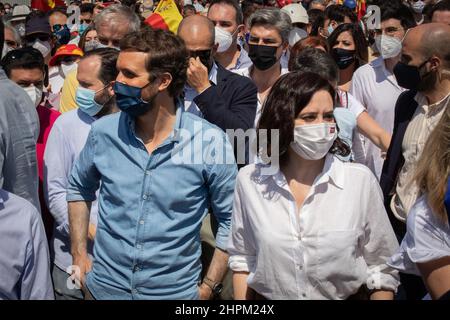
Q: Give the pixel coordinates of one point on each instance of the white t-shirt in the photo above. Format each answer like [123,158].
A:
[377,90]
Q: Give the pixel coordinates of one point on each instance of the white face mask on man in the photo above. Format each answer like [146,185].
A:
[35,94]
[223,38]
[388,47]
[314,141]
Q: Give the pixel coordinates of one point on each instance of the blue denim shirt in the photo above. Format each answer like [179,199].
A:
[151,207]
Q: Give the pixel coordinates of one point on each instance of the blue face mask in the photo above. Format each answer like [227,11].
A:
[330,30]
[82,28]
[85,99]
[129,99]
[62,34]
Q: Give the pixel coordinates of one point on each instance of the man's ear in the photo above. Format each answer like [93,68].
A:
[110,88]
[166,80]
[435,63]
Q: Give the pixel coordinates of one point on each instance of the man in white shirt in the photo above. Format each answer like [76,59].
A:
[374,84]
[424,68]
[95,99]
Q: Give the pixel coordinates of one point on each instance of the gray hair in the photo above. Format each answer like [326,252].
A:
[111,13]
[273,17]
[15,32]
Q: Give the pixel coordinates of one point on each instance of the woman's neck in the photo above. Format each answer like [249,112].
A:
[345,75]
[302,170]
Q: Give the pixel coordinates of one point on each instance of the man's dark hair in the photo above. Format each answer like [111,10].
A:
[23,58]
[316,19]
[398,12]
[87,7]
[316,61]
[338,13]
[189,7]
[166,52]
[234,4]
[2,35]
[443,5]
[58,9]
[108,56]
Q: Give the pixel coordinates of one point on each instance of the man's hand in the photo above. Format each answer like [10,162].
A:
[84,265]
[205,292]
[197,75]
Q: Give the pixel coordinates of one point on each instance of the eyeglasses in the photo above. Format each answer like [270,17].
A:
[200,53]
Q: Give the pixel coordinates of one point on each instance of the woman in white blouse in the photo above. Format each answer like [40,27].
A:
[317,228]
[425,250]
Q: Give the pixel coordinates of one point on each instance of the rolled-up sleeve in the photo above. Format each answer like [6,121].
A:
[380,243]
[242,252]
[57,165]
[84,179]
[221,181]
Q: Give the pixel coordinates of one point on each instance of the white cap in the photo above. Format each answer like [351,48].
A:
[19,13]
[297,13]
[187,2]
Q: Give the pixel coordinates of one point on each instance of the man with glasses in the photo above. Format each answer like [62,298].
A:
[374,84]
[12,39]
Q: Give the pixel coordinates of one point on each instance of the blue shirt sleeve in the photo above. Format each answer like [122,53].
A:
[85,178]
[447,200]
[221,181]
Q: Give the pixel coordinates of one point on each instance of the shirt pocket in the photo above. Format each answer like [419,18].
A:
[337,256]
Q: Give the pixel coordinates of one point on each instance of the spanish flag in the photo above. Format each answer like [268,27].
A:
[46,5]
[166,16]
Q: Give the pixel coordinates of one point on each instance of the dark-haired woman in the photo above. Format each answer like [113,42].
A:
[349,49]
[313,227]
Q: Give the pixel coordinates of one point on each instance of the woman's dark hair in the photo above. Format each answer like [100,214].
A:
[361,47]
[83,36]
[287,98]
[166,52]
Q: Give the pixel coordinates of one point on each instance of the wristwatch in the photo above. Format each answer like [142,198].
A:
[216,287]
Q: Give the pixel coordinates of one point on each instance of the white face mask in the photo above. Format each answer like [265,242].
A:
[224,39]
[44,47]
[296,35]
[418,6]
[388,47]
[314,141]
[34,93]
[66,68]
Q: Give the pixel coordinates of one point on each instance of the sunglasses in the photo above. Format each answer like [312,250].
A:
[87,21]
[200,53]
[42,37]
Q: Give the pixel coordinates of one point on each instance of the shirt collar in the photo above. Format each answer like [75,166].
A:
[213,74]
[422,101]
[333,171]
[174,136]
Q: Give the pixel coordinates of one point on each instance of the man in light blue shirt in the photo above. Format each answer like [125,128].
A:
[24,257]
[95,99]
[159,169]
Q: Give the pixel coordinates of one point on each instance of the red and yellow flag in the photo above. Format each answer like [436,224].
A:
[166,16]
[46,5]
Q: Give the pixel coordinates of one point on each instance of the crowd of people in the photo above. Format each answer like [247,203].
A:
[265,150]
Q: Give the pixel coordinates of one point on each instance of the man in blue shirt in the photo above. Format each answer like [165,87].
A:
[159,169]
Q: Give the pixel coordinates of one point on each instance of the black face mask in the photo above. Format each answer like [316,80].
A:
[409,77]
[263,57]
[343,58]
[204,56]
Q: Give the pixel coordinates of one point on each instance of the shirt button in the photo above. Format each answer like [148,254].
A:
[147,172]
[304,295]
[134,291]
[141,222]
[144,197]
[138,246]
[136,269]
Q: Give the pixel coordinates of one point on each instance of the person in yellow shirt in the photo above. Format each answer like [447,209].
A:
[68,91]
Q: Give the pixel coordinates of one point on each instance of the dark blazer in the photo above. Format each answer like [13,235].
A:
[231,104]
[404,111]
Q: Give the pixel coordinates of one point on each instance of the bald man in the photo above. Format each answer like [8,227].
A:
[424,69]
[221,97]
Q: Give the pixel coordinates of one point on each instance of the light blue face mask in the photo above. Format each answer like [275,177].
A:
[330,29]
[85,99]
